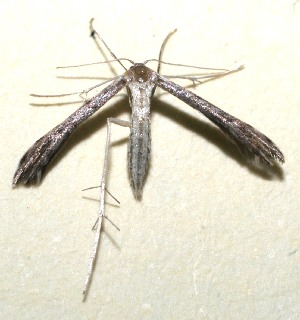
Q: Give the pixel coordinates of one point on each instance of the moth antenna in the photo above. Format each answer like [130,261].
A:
[162,48]
[93,63]
[94,33]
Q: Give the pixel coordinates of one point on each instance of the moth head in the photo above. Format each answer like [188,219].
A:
[139,73]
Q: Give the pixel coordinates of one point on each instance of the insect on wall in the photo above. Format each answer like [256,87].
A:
[140,83]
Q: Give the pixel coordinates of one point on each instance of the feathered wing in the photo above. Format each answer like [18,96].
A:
[36,159]
[244,135]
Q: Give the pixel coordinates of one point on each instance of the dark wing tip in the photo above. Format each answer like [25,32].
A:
[260,152]
[254,143]
[27,173]
[280,156]
[269,152]
[34,162]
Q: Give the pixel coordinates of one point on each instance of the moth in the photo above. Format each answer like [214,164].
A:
[140,82]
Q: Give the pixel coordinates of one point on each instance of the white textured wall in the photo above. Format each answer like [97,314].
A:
[212,238]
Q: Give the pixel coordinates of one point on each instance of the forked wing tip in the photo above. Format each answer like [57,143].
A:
[21,178]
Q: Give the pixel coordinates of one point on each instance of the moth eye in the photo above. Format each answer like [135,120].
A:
[141,72]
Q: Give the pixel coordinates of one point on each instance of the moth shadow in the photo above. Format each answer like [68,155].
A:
[89,127]
[192,123]
[215,136]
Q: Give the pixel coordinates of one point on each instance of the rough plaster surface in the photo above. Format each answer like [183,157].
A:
[213,238]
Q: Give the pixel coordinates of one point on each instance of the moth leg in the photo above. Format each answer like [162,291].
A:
[101,215]
[205,76]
